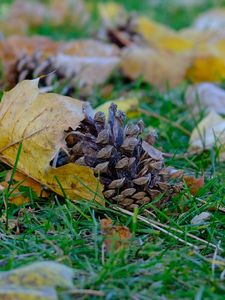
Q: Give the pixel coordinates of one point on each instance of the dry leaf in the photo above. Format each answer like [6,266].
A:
[194,184]
[161,36]
[159,68]
[213,19]
[15,196]
[90,48]
[39,275]
[115,237]
[111,13]
[128,105]
[21,293]
[201,218]
[28,182]
[72,11]
[37,281]
[209,132]
[38,121]
[86,71]
[206,95]
[199,70]
[24,15]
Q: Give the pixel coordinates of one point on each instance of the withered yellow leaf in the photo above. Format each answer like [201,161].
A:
[128,105]
[161,36]
[38,121]
[15,196]
[21,293]
[209,132]
[111,13]
[158,67]
[38,275]
[199,70]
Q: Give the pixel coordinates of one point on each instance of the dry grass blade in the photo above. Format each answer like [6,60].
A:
[222,209]
[85,292]
[157,116]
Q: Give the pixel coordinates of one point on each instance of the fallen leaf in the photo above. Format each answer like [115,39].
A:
[25,15]
[160,68]
[128,105]
[15,196]
[206,95]
[89,48]
[213,19]
[198,71]
[201,218]
[38,121]
[21,293]
[115,237]
[161,36]
[73,12]
[208,133]
[85,72]
[111,13]
[28,182]
[194,184]
[39,275]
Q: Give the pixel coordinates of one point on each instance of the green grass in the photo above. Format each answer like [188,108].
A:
[156,265]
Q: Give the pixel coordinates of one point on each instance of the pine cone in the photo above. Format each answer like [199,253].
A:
[33,66]
[131,170]
[122,34]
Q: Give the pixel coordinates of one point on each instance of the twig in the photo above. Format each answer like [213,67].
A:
[184,155]
[214,259]
[85,292]
[188,234]
[162,118]
[222,209]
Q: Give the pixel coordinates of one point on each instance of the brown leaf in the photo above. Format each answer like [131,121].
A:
[15,196]
[28,182]
[38,121]
[115,237]
[89,48]
[194,184]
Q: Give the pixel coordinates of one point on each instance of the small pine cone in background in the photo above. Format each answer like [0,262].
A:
[35,65]
[131,170]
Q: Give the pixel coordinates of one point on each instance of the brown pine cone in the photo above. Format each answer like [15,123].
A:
[131,170]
